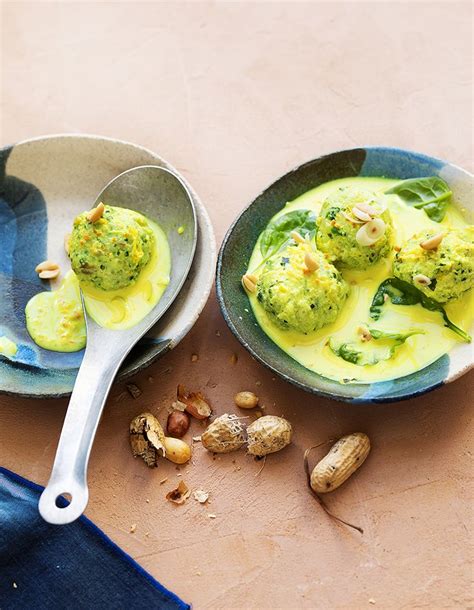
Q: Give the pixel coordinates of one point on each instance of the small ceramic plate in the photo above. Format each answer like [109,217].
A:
[44,184]
[242,236]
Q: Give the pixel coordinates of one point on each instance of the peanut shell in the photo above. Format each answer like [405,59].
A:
[268,434]
[147,438]
[225,434]
[343,459]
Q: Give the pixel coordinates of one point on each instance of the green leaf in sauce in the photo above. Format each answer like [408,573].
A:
[346,351]
[390,342]
[278,231]
[431,194]
[403,293]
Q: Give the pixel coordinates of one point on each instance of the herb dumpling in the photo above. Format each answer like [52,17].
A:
[442,271]
[296,298]
[354,228]
[110,252]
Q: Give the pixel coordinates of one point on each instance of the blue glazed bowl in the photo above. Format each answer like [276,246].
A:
[44,184]
[240,240]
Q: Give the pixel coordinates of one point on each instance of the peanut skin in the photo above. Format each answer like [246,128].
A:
[343,459]
[177,424]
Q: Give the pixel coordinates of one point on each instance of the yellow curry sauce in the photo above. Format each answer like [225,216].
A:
[55,320]
[8,347]
[312,350]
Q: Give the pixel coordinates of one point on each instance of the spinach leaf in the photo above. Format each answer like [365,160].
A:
[399,292]
[332,213]
[431,194]
[346,351]
[397,337]
[278,231]
[403,293]
[350,353]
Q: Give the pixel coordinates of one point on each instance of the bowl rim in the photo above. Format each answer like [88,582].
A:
[312,389]
[202,217]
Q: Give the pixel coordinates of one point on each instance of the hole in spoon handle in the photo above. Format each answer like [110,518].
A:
[69,475]
[55,510]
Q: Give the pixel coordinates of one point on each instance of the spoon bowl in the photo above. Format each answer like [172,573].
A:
[160,195]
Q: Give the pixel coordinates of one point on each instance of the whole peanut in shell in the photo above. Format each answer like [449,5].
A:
[343,459]
[268,434]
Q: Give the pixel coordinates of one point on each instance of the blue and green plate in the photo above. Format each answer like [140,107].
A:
[44,184]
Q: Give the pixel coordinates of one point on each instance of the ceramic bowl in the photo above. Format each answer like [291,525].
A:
[44,184]
[242,236]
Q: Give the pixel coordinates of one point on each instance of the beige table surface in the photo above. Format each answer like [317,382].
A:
[235,94]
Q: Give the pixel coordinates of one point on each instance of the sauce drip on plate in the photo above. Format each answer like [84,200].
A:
[55,320]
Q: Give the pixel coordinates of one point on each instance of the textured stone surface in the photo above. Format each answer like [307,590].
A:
[234,95]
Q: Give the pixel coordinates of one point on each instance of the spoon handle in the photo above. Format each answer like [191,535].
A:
[69,474]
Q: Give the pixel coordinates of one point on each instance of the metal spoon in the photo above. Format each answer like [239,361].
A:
[160,195]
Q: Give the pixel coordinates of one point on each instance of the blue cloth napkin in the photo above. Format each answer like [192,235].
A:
[66,566]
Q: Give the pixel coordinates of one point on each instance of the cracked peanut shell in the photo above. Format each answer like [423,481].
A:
[147,438]
[225,434]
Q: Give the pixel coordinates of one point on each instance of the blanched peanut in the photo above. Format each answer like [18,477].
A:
[246,400]
[46,266]
[249,282]
[96,213]
[49,274]
[310,261]
[299,239]
[371,232]
[433,242]
[421,279]
[361,215]
[177,451]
